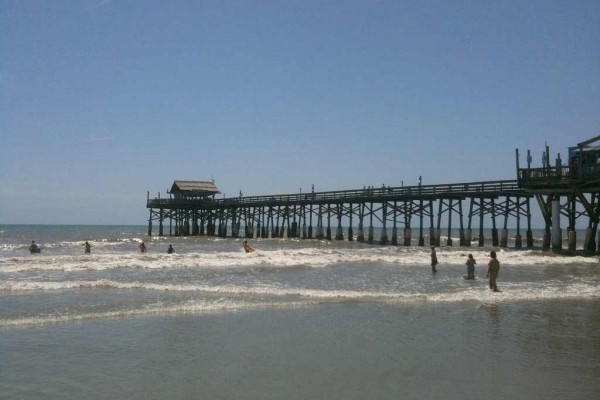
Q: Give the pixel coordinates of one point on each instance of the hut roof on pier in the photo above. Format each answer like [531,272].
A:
[194,189]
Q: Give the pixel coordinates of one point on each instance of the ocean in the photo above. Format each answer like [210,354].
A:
[296,319]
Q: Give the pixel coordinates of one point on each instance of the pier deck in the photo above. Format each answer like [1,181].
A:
[569,192]
[293,214]
[402,193]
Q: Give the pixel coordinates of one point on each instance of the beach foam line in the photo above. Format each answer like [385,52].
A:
[313,258]
[220,306]
[265,290]
[184,308]
[512,291]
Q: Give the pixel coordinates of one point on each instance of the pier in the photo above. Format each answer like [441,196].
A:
[319,215]
[401,214]
[566,191]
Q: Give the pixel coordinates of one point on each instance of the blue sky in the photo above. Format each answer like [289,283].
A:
[102,101]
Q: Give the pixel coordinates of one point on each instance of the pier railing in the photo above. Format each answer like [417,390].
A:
[384,193]
[561,175]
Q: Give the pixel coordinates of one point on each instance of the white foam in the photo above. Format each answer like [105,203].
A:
[311,257]
[310,297]
[514,291]
[188,307]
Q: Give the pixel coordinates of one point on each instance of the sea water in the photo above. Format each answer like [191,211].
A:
[294,319]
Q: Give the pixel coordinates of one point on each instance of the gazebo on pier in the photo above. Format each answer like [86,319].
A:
[186,198]
[193,189]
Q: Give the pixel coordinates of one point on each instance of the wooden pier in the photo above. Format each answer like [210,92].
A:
[398,213]
[570,191]
[319,215]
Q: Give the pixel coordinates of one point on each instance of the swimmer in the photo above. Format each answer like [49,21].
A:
[247,247]
[33,248]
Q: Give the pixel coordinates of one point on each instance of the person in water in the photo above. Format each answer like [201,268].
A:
[88,248]
[493,270]
[142,247]
[33,248]
[170,250]
[470,267]
[434,260]
[247,247]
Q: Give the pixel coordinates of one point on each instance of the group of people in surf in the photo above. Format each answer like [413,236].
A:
[143,249]
[171,250]
[492,272]
[34,248]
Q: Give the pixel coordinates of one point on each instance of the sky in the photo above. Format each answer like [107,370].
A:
[103,101]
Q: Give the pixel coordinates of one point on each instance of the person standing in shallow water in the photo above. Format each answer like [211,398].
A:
[434,260]
[33,248]
[470,267]
[88,248]
[170,250]
[142,247]
[493,270]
